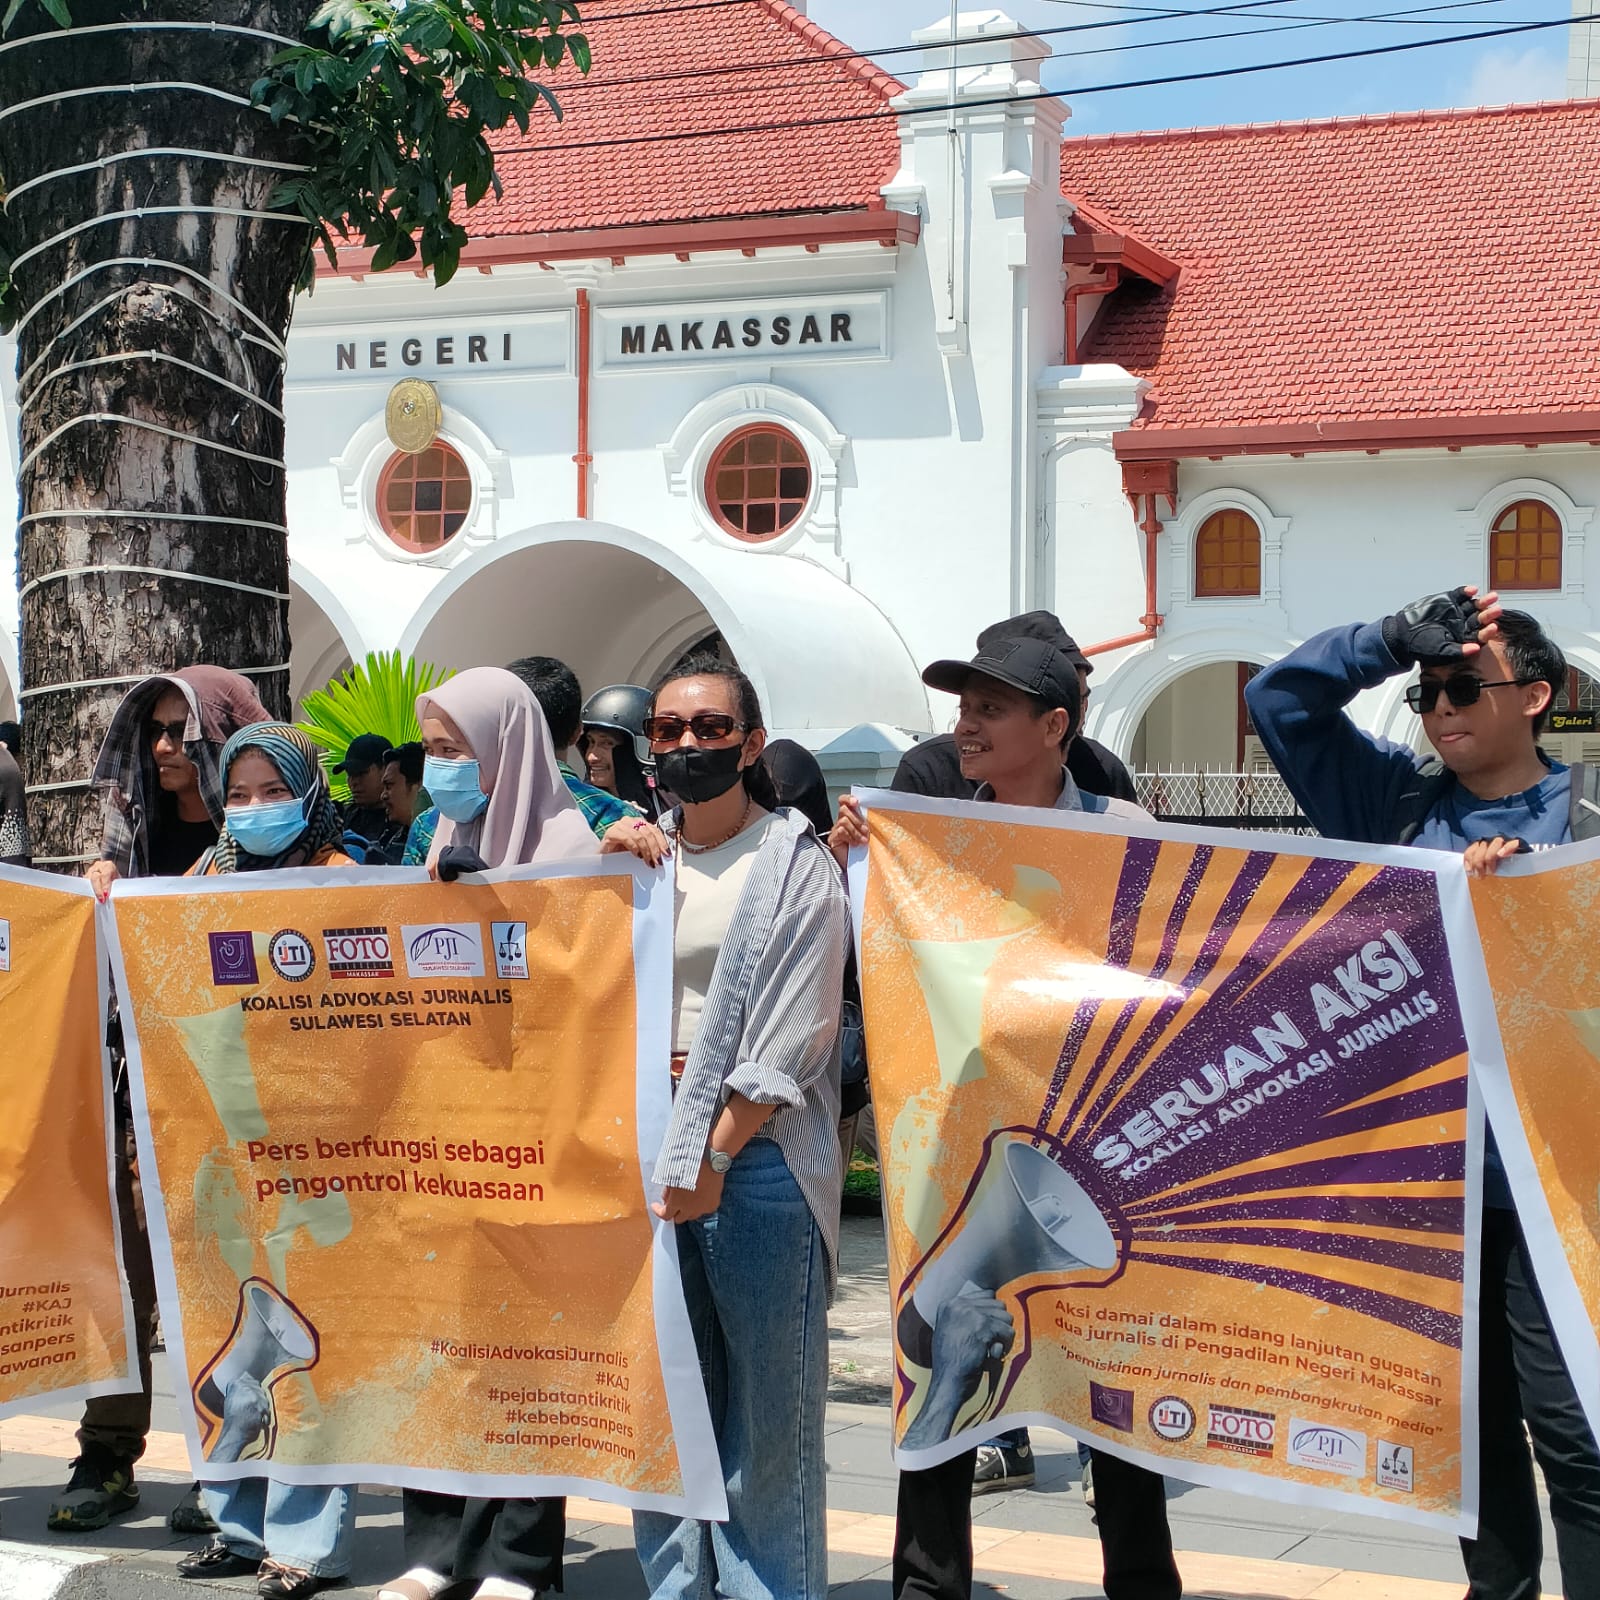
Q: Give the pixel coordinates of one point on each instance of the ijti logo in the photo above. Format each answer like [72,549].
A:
[358,952]
[510,949]
[291,955]
[1396,1466]
[1250,1433]
[1111,1408]
[233,958]
[444,949]
[1172,1418]
[5,945]
[1315,1444]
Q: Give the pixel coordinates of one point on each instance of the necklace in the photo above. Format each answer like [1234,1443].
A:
[716,844]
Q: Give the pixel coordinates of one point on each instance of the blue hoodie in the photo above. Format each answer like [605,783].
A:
[1351,784]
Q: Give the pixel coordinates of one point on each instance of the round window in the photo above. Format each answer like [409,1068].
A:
[424,499]
[758,483]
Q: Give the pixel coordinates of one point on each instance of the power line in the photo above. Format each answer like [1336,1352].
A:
[881,113]
[1409,18]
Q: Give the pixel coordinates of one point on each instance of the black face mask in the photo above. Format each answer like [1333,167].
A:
[698,775]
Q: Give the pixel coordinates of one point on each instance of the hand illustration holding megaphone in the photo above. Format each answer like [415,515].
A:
[972,1330]
[246,1415]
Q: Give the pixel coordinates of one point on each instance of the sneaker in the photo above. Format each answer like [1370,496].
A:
[1003,1466]
[190,1514]
[1088,1484]
[101,1487]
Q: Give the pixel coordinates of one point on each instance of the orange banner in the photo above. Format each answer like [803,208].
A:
[396,1131]
[1536,1049]
[1177,1144]
[66,1327]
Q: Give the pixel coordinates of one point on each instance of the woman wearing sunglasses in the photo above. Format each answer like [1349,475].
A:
[750,1164]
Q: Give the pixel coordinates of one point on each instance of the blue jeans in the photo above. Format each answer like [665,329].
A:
[305,1526]
[755,1279]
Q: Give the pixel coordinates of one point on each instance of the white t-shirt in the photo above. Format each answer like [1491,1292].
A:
[709,883]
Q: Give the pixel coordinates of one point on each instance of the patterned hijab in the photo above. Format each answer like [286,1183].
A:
[220,702]
[531,815]
[300,766]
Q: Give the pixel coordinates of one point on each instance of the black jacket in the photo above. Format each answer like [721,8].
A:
[933,768]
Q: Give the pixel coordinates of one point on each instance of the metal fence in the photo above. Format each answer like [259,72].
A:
[1258,800]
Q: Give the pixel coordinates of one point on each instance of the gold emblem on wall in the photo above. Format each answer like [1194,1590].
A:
[412,415]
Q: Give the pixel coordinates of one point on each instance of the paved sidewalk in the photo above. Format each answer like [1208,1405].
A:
[1034,1544]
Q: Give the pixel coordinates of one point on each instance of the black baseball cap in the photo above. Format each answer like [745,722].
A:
[1044,625]
[366,750]
[1031,665]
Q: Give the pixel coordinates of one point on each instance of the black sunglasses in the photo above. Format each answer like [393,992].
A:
[174,732]
[1461,690]
[704,725]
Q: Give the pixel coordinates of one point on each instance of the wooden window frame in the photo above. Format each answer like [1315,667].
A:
[1550,539]
[391,471]
[1226,591]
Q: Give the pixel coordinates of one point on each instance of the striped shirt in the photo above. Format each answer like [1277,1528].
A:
[770,1026]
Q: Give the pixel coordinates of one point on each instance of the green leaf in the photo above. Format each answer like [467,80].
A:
[378,696]
[58,11]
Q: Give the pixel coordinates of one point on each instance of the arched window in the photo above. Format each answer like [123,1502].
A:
[1525,547]
[423,499]
[758,482]
[1227,556]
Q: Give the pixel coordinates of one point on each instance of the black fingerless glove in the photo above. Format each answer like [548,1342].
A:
[1433,628]
[455,859]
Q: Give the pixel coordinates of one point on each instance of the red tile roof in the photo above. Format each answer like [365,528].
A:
[563,175]
[1432,265]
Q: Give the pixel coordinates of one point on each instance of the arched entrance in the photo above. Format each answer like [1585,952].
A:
[323,641]
[1197,759]
[8,677]
[619,608]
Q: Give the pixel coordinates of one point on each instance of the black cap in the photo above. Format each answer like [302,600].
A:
[1044,625]
[1031,665]
[366,750]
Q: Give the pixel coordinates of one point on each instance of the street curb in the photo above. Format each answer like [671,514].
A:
[29,1573]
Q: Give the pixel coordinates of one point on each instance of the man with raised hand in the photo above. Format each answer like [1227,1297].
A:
[1487,680]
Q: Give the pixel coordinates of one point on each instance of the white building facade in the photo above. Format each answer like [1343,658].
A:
[843,438]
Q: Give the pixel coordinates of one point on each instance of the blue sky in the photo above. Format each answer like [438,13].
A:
[1530,66]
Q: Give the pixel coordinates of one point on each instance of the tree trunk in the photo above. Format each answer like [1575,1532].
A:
[140,477]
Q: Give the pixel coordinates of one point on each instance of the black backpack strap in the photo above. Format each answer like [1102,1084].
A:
[1420,796]
[1583,800]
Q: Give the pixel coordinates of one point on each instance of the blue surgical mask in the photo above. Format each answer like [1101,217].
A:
[454,787]
[266,830]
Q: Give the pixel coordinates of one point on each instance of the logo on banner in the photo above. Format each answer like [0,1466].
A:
[444,950]
[5,944]
[358,952]
[291,955]
[1315,1444]
[1251,1433]
[1111,1408]
[510,949]
[1396,1466]
[1172,1418]
[233,958]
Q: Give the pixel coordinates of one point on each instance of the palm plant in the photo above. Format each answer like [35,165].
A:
[377,696]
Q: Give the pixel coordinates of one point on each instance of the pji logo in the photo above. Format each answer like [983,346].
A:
[1326,1448]
[5,944]
[291,955]
[444,949]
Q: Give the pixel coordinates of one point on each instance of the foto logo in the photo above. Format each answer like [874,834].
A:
[1250,1433]
[5,944]
[358,952]
[444,949]
[233,958]
[1326,1448]
[510,949]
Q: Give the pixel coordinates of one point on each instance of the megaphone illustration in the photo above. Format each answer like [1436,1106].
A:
[271,1339]
[1026,1215]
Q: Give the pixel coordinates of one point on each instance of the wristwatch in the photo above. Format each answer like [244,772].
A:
[719,1161]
